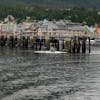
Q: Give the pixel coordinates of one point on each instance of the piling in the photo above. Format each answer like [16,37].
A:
[84,45]
[73,44]
[2,41]
[78,45]
[89,45]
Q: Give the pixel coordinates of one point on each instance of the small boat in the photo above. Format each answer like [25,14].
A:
[50,52]
[92,42]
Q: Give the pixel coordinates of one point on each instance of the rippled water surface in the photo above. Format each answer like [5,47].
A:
[28,76]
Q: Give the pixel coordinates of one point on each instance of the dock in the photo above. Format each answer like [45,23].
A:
[62,36]
[72,45]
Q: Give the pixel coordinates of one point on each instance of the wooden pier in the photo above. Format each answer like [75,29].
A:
[74,44]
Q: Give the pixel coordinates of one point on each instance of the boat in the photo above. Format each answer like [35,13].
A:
[92,42]
[50,52]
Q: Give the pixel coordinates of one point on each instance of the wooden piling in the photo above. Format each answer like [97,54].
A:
[78,45]
[72,45]
[89,45]
[84,45]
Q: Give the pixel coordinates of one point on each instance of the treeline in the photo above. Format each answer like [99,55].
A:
[89,16]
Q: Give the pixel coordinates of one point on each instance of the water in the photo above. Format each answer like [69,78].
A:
[28,76]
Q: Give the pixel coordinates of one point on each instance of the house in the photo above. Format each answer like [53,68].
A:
[91,31]
[97,31]
[60,29]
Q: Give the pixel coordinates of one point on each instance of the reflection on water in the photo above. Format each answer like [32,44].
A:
[28,76]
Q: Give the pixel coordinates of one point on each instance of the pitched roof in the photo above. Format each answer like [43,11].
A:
[91,29]
[76,28]
[97,30]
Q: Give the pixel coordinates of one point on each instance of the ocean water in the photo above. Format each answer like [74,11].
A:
[25,75]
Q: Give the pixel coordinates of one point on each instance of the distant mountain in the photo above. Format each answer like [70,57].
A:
[55,3]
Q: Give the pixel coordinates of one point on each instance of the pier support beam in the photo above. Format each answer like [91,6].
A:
[74,45]
[2,41]
[89,45]
[78,45]
[84,45]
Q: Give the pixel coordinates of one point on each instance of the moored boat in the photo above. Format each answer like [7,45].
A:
[50,52]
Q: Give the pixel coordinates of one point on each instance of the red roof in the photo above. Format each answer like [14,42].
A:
[97,30]
[97,26]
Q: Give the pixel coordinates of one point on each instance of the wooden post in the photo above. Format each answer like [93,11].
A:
[40,44]
[16,40]
[89,45]
[84,45]
[63,43]
[70,46]
[78,45]
[74,45]
[36,48]
[58,45]
[47,43]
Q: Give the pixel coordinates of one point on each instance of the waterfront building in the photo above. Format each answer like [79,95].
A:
[61,35]
[97,31]
[91,31]
[46,29]
[60,29]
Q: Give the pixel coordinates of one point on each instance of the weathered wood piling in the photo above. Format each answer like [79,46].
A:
[75,44]
[79,45]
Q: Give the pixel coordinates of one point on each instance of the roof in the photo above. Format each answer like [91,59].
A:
[97,26]
[76,28]
[97,30]
[91,29]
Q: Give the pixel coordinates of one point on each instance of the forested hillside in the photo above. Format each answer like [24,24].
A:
[89,16]
[55,3]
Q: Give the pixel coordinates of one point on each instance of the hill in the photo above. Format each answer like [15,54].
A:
[55,3]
